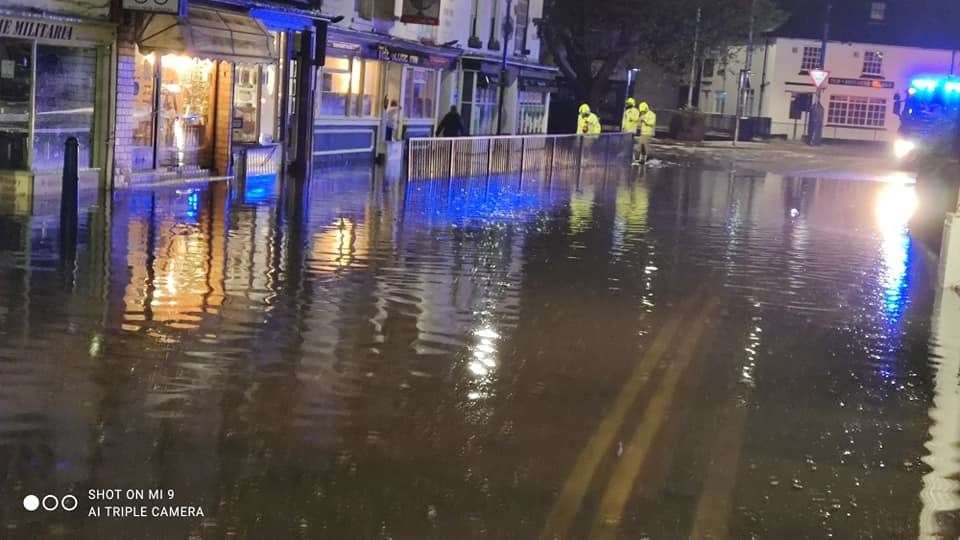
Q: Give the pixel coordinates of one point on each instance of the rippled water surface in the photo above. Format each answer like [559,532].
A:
[693,353]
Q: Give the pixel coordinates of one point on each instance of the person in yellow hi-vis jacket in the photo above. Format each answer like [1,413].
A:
[631,117]
[648,128]
[587,122]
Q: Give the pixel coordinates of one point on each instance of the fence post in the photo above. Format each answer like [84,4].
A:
[553,155]
[489,156]
[450,171]
[69,195]
[523,154]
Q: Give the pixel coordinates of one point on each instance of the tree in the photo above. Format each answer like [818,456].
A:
[590,40]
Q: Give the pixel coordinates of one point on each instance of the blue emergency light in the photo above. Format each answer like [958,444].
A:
[925,84]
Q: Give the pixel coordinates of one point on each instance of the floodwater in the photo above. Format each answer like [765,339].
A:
[692,353]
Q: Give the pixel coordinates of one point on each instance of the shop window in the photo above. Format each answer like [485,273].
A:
[334,87]
[144,88]
[16,72]
[420,93]
[255,103]
[857,111]
[185,126]
[348,87]
[479,103]
[532,111]
[371,82]
[65,98]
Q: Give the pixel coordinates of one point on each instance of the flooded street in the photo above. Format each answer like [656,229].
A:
[696,352]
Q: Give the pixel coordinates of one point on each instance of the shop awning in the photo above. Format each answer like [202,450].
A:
[209,33]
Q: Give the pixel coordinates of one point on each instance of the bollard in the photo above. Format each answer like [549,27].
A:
[68,197]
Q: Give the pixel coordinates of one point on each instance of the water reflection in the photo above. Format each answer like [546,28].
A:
[352,359]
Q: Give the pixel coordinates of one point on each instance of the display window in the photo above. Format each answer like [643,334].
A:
[479,103]
[348,87]
[185,112]
[420,91]
[532,110]
[49,91]
[16,78]
[255,104]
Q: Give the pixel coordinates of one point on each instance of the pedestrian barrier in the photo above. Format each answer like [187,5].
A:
[432,158]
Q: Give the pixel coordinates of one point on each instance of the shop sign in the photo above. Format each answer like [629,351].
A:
[25,28]
[412,58]
[863,83]
[421,12]
[536,84]
[153,6]
[342,46]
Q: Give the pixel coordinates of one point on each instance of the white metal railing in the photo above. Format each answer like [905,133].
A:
[458,157]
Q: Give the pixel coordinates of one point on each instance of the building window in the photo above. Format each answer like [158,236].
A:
[872,62]
[419,92]
[65,96]
[16,72]
[857,111]
[709,65]
[522,12]
[479,103]
[532,110]
[348,87]
[878,11]
[811,58]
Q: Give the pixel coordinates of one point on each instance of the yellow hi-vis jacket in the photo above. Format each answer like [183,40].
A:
[589,125]
[631,120]
[648,123]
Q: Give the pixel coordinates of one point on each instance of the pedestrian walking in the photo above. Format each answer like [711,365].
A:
[648,128]
[451,125]
[587,122]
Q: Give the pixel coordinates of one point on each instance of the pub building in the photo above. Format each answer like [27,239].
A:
[214,91]
[363,73]
[54,84]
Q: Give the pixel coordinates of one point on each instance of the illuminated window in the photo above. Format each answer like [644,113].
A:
[811,58]
[419,93]
[857,111]
[872,62]
[348,87]
[878,11]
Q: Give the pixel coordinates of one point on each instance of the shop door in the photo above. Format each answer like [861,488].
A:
[16,74]
[185,119]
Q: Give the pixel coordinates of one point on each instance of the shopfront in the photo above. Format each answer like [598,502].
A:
[361,79]
[533,100]
[203,84]
[53,86]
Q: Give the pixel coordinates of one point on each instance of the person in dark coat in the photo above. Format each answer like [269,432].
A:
[451,125]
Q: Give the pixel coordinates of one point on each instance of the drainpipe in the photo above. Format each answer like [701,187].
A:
[763,76]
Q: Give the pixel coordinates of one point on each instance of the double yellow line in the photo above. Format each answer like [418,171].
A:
[628,467]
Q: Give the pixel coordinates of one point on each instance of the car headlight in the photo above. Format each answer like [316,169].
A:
[903,147]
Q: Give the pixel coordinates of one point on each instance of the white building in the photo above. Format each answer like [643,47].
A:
[373,58]
[871,57]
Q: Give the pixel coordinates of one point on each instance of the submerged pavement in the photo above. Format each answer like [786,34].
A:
[699,351]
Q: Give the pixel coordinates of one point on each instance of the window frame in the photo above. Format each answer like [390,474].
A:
[810,61]
[872,59]
[857,111]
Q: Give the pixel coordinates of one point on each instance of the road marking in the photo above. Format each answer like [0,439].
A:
[716,496]
[574,489]
[627,470]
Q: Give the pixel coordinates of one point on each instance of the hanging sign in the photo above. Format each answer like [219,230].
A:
[819,76]
[153,6]
[421,12]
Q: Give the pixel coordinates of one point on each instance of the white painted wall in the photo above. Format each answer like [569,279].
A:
[844,60]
